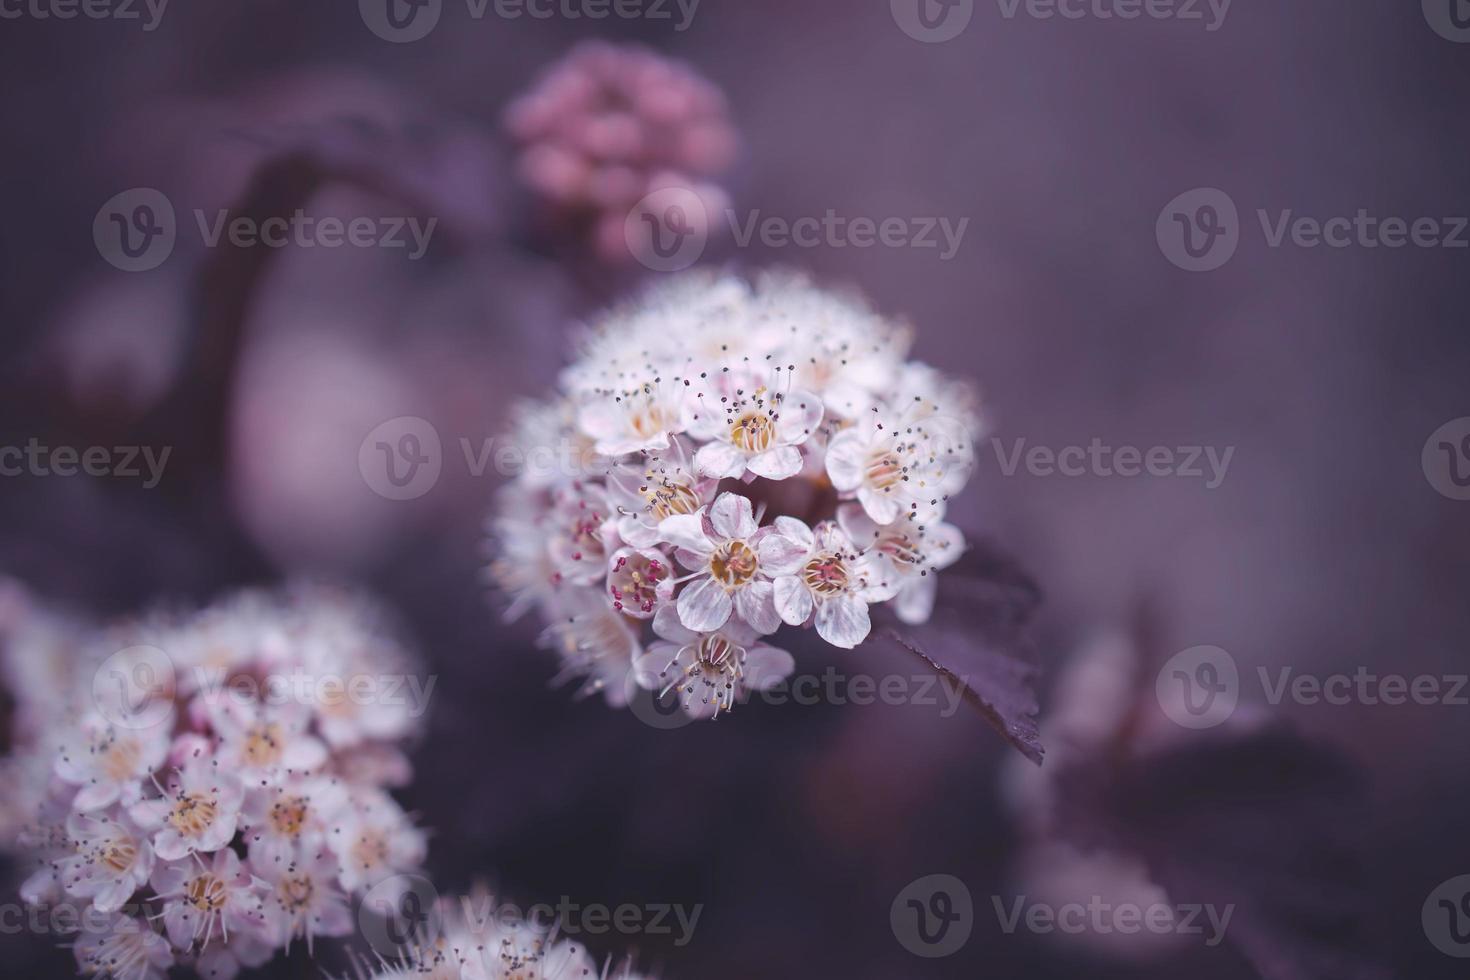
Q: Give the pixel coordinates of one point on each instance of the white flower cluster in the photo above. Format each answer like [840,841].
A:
[227,781]
[745,455]
[460,947]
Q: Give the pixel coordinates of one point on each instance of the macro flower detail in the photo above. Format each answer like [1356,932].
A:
[712,671]
[738,430]
[830,582]
[721,548]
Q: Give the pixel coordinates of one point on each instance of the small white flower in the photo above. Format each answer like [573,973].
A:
[905,470]
[262,743]
[753,428]
[594,641]
[224,960]
[110,861]
[109,762]
[720,548]
[524,952]
[374,840]
[276,819]
[639,580]
[198,814]
[908,554]
[665,486]
[302,900]
[580,532]
[123,949]
[711,671]
[822,572]
[635,419]
[204,901]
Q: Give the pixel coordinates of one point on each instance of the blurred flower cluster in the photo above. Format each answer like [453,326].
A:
[733,456]
[608,125]
[226,775]
[461,941]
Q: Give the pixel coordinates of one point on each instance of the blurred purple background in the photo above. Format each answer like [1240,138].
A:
[1325,548]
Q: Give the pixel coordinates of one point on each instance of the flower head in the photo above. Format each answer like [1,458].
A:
[743,427]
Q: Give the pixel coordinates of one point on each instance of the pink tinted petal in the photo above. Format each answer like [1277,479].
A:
[96,796]
[765,667]
[915,601]
[943,545]
[846,456]
[882,507]
[780,555]
[732,516]
[790,527]
[686,532]
[719,459]
[169,845]
[793,600]
[857,525]
[704,605]
[780,463]
[843,621]
[756,605]
[666,624]
[801,413]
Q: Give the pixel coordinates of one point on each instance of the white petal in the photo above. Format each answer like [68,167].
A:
[847,455]
[666,624]
[686,531]
[793,599]
[704,605]
[801,413]
[843,621]
[756,605]
[856,524]
[719,459]
[883,508]
[765,667]
[732,516]
[943,545]
[780,555]
[780,463]
[790,527]
[915,601]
